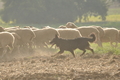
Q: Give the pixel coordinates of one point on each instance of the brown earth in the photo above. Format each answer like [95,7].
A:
[41,66]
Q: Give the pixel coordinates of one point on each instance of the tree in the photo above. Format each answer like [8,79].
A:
[51,11]
[92,8]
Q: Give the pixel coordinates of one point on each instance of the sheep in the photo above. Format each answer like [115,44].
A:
[71,25]
[1,29]
[119,37]
[6,40]
[17,42]
[31,27]
[86,30]
[100,29]
[43,36]
[62,26]
[69,33]
[12,28]
[26,35]
[81,43]
[111,35]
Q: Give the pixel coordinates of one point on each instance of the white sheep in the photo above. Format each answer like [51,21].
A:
[6,40]
[12,28]
[86,31]
[1,29]
[101,31]
[69,33]
[26,35]
[71,25]
[44,36]
[26,38]
[111,35]
[62,26]
[31,27]
[17,42]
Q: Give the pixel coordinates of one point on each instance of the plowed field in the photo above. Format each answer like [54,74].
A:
[41,66]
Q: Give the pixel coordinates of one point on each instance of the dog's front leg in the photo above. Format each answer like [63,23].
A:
[60,52]
[72,53]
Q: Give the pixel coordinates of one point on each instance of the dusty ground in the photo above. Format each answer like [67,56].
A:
[43,67]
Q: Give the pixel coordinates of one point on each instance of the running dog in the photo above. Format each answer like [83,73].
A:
[81,43]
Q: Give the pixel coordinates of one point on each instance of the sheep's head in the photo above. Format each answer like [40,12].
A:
[71,25]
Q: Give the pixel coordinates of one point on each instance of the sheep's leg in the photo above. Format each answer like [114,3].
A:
[4,52]
[111,43]
[52,45]
[41,45]
[16,49]
[11,47]
[99,43]
[45,44]
[116,44]
[31,50]
[72,53]
[60,52]
[83,52]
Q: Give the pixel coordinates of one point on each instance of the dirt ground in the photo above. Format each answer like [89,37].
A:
[41,66]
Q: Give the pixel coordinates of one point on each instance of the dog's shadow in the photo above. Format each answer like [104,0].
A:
[91,56]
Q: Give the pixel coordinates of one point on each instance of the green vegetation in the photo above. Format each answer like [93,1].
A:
[102,24]
[51,11]
[106,49]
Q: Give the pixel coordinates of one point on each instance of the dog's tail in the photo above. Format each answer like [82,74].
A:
[93,38]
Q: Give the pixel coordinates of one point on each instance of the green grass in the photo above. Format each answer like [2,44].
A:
[115,17]
[106,49]
[102,24]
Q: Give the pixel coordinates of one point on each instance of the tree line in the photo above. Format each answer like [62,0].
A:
[52,11]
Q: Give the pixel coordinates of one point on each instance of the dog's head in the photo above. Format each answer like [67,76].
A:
[54,40]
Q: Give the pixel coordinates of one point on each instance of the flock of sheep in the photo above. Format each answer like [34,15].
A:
[15,38]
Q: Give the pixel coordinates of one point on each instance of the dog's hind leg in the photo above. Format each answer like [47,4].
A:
[72,53]
[90,49]
[83,51]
